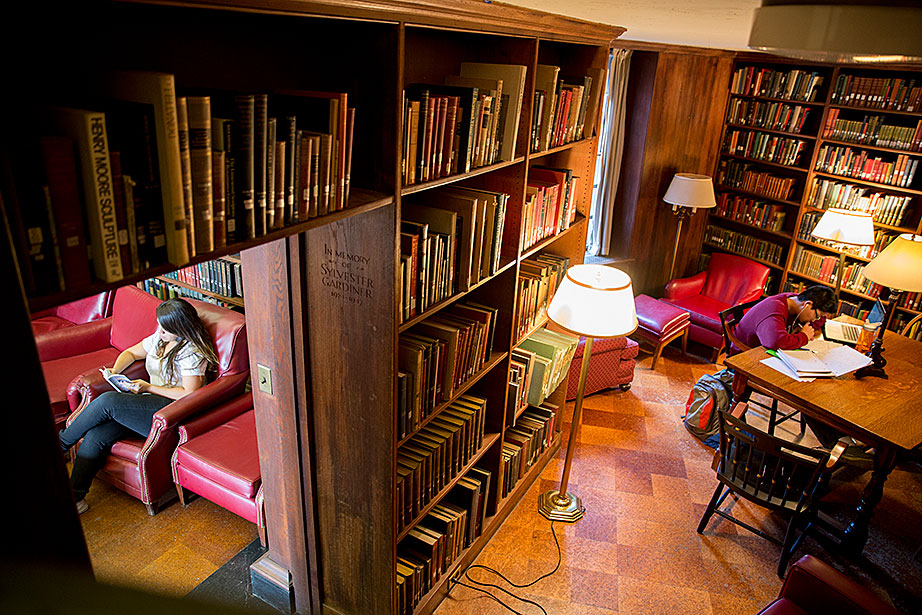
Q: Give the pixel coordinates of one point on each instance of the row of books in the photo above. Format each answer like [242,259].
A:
[871,130]
[808,223]
[550,203]
[890,209]
[824,268]
[450,240]
[564,108]
[768,114]
[546,355]
[841,160]
[433,457]
[165,177]
[163,289]
[539,277]
[912,301]
[468,121]
[737,174]
[854,309]
[525,441]
[219,276]
[763,146]
[437,541]
[752,211]
[529,380]
[897,93]
[743,244]
[438,355]
[792,84]
[900,320]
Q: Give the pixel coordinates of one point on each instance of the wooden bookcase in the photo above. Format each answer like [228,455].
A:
[743,221]
[327,427]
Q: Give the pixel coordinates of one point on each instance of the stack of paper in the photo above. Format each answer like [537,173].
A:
[819,359]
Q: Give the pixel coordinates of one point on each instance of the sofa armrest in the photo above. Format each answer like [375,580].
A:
[209,420]
[207,397]
[89,385]
[817,587]
[70,341]
[685,287]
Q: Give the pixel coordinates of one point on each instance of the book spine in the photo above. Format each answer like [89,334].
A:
[230,183]
[128,187]
[218,197]
[350,130]
[278,215]
[121,216]
[304,178]
[271,147]
[182,122]
[291,137]
[244,161]
[261,169]
[199,109]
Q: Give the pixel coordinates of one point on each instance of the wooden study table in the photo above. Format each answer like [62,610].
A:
[885,414]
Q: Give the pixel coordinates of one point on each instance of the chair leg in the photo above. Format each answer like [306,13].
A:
[152,509]
[803,425]
[709,511]
[656,354]
[773,418]
[787,547]
[182,495]
[261,530]
[685,343]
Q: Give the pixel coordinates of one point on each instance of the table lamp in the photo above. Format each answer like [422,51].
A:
[853,228]
[899,268]
[687,193]
[592,301]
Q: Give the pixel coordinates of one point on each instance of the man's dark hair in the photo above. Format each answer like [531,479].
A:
[823,298]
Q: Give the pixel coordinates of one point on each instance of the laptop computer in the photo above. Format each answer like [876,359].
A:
[847,332]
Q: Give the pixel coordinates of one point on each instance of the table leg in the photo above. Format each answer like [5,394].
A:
[856,533]
[740,389]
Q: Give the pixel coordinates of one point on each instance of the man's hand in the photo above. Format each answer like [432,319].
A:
[809,331]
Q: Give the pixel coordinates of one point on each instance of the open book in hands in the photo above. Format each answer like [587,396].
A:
[119,382]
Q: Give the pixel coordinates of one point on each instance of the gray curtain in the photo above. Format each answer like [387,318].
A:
[611,146]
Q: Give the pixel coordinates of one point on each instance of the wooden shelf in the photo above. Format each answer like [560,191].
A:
[450,179]
[238,301]
[877,148]
[888,227]
[913,114]
[820,246]
[768,162]
[783,133]
[758,260]
[757,195]
[559,148]
[781,100]
[778,234]
[818,281]
[865,182]
[547,241]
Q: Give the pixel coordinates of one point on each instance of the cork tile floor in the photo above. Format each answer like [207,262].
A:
[645,483]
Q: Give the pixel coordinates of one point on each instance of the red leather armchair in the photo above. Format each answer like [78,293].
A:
[142,467]
[813,586]
[74,313]
[218,458]
[727,281]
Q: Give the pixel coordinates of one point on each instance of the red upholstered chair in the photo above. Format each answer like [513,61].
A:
[611,365]
[217,457]
[142,467]
[813,586]
[70,314]
[727,281]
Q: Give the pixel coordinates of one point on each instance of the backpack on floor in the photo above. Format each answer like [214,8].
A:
[711,393]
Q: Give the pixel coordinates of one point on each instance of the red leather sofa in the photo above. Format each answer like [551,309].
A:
[813,586]
[217,457]
[71,314]
[137,466]
[727,281]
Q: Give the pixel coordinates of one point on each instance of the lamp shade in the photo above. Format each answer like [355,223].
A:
[594,301]
[691,190]
[854,228]
[899,265]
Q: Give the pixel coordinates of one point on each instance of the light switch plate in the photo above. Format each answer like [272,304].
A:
[264,374]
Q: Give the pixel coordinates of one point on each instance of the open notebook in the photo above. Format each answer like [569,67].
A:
[822,359]
[847,332]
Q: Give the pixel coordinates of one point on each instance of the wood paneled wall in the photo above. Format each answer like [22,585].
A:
[676,105]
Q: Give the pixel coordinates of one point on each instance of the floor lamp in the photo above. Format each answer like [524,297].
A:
[592,301]
[687,193]
[852,228]
[899,268]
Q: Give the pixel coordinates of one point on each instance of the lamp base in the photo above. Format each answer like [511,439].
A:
[876,368]
[567,508]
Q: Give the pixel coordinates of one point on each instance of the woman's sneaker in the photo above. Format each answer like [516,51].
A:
[82,506]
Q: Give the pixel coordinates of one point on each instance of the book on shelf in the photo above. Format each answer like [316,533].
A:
[441,222]
[185,157]
[222,140]
[119,205]
[261,165]
[159,90]
[243,111]
[87,129]
[200,146]
[513,84]
[499,102]
[546,77]
[598,77]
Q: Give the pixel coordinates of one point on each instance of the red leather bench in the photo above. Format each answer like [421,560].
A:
[660,323]
[611,365]
[218,459]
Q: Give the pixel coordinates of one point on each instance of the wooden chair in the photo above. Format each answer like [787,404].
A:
[771,472]
[912,327]
[729,319]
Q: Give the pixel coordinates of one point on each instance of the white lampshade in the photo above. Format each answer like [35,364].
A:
[854,228]
[899,265]
[594,301]
[691,190]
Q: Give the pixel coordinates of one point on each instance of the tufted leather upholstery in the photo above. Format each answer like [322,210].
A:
[217,458]
[728,280]
[142,467]
[660,323]
[74,313]
[611,365]
[813,586]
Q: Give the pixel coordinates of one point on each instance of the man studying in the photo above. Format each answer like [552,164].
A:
[788,321]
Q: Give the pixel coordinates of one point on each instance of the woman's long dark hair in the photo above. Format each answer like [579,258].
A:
[177,316]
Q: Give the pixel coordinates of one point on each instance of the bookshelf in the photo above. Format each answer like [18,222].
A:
[322,294]
[860,134]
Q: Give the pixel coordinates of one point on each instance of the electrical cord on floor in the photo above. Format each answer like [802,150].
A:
[479,585]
